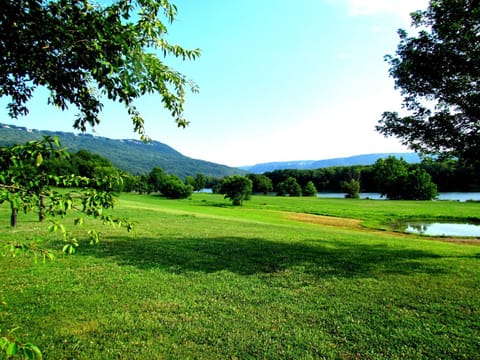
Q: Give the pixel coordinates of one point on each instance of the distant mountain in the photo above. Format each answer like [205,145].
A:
[133,156]
[367,159]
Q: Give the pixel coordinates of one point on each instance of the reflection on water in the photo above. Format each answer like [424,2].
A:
[443,229]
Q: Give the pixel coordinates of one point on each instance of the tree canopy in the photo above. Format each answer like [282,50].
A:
[236,188]
[438,71]
[83,51]
[397,182]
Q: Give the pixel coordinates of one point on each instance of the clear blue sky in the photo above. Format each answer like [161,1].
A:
[279,80]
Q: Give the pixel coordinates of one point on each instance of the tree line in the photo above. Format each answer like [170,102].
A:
[393,178]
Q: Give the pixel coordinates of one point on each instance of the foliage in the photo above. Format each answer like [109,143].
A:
[261,183]
[198,182]
[14,348]
[85,50]
[84,164]
[236,188]
[169,185]
[437,71]
[173,188]
[22,185]
[420,186]
[396,181]
[351,189]
[309,189]
[25,186]
[289,187]
[155,178]
[25,189]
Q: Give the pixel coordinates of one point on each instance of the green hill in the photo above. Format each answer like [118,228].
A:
[132,156]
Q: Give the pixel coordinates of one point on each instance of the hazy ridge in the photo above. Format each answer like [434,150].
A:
[137,157]
[365,159]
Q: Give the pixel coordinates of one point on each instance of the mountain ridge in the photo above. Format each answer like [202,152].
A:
[137,157]
[362,159]
[130,155]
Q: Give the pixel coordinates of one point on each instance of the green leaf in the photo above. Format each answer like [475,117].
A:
[12,349]
[38,159]
[33,351]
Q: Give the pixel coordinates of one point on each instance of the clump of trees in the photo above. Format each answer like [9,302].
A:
[261,183]
[168,185]
[396,181]
[289,187]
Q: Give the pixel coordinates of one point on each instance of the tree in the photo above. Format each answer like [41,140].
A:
[200,182]
[351,189]
[85,163]
[22,185]
[83,51]
[420,186]
[155,178]
[261,183]
[289,187]
[396,181]
[437,72]
[27,190]
[390,175]
[309,189]
[173,188]
[236,188]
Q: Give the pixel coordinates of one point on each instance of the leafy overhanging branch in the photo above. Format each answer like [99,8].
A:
[82,51]
[437,72]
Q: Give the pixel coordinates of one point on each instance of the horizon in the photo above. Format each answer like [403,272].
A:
[2,125]
[276,83]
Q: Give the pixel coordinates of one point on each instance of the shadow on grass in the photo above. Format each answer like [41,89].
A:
[255,256]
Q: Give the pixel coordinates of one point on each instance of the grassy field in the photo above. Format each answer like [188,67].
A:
[286,278]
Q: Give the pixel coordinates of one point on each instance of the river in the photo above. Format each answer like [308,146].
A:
[453,196]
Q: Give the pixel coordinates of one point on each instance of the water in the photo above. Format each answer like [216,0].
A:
[453,196]
[443,229]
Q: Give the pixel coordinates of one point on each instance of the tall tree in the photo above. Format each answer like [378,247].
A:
[84,50]
[438,72]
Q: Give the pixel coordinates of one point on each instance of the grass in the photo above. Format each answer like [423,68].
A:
[202,279]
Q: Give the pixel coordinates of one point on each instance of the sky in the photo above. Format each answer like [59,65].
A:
[279,80]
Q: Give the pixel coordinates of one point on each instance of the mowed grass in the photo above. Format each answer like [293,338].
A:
[274,279]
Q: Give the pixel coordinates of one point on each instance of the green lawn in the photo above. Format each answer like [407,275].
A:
[201,279]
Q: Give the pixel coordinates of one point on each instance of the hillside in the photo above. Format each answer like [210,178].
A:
[132,156]
[367,159]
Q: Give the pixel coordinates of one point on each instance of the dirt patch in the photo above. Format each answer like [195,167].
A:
[355,224]
[326,220]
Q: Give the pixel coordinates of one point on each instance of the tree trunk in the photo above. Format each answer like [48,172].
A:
[41,209]
[13,217]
